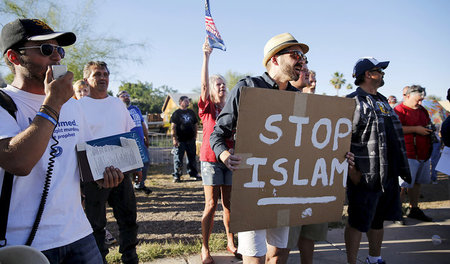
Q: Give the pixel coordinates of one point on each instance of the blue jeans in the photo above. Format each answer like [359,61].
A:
[178,155]
[83,251]
[144,174]
[435,155]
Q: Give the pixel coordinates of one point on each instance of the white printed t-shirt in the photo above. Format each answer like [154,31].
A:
[106,117]
[63,221]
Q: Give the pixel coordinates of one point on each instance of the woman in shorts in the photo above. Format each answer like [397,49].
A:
[216,176]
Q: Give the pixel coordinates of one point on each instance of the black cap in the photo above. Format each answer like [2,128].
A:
[21,30]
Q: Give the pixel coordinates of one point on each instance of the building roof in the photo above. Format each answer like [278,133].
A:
[176,98]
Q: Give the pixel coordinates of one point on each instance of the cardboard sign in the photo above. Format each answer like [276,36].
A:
[293,168]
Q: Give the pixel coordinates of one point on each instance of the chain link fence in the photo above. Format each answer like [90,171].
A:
[161,146]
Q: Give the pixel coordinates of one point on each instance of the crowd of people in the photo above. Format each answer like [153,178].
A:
[389,155]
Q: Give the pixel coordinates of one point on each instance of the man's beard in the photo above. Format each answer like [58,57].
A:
[34,71]
[290,72]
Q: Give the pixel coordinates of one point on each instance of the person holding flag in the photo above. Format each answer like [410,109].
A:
[216,176]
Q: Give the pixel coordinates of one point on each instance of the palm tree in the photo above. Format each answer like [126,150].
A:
[337,81]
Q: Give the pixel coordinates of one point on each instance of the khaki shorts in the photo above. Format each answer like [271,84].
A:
[254,243]
[316,232]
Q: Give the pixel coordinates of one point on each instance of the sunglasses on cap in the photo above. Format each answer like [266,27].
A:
[47,49]
[296,54]
[415,89]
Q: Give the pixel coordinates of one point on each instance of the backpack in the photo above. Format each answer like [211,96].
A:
[8,104]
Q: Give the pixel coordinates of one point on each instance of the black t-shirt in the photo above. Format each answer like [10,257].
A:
[185,121]
[445,132]
[393,145]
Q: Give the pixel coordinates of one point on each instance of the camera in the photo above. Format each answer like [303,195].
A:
[432,127]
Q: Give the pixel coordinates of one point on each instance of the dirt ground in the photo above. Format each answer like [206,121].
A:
[173,211]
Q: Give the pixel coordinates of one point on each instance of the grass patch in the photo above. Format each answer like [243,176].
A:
[152,251]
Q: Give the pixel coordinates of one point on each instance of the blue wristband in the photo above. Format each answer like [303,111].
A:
[49,118]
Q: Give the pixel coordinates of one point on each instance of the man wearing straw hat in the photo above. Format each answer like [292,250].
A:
[283,59]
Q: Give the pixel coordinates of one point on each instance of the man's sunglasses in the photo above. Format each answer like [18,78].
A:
[296,54]
[47,49]
[380,71]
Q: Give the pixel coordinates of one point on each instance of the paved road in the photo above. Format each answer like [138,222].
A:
[410,244]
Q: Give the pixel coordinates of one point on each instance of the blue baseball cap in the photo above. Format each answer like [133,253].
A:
[367,63]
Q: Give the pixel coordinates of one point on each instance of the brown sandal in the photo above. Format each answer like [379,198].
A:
[208,260]
[235,253]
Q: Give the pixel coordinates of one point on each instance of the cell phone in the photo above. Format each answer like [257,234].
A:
[59,70]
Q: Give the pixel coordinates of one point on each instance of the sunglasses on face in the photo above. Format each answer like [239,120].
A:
[47,49]
[380,71]
[296,54]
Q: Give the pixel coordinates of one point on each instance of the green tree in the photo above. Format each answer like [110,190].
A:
[2,81]
[349,86]
[197,90]
[89,46]
[145,96]
[9,78]
[337,81]
[233,77]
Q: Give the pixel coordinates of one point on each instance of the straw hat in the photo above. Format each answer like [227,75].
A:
[278,43]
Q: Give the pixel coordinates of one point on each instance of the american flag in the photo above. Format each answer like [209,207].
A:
[214,38]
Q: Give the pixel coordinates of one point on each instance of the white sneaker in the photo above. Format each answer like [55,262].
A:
[380,261]
[109,239]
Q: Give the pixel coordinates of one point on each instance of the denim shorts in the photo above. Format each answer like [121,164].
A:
[420,173]
[368,209]
[215,174]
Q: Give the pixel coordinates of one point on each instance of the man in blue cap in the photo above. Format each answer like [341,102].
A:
[380,156]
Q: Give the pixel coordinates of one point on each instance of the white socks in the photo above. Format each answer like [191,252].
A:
[373,259]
